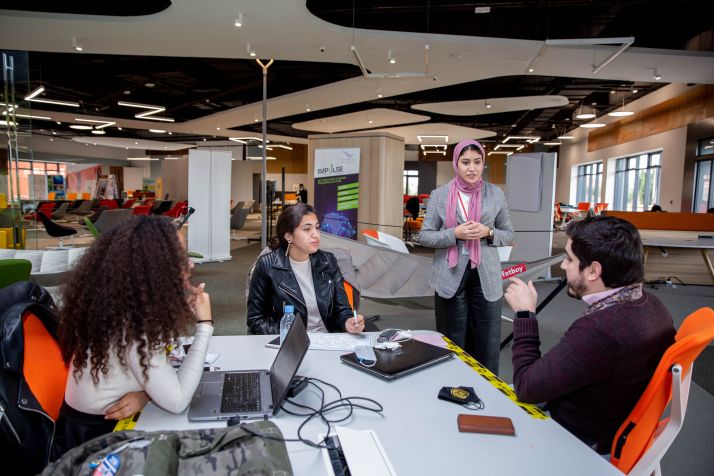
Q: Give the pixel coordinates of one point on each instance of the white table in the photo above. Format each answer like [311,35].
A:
[701,244]
[417,430]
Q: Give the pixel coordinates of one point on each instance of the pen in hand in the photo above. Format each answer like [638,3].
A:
[354,313]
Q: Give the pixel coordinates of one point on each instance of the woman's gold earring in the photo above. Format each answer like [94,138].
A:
[287,250]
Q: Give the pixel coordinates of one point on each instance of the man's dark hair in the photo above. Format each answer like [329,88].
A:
[612,242]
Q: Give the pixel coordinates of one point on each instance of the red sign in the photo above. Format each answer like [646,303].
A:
[513,270]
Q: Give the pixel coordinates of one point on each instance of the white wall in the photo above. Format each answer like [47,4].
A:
[133,177]
[242,179]
[672,143]
[174,174]
[444,172]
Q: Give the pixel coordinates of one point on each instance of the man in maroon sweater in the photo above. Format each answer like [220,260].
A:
[593,377]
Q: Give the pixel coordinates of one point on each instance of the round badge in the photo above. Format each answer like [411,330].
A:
[459,393]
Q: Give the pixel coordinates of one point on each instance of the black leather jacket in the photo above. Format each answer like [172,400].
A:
[273,284]
[26,430]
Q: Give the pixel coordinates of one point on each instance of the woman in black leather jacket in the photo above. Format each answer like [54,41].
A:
[297,272]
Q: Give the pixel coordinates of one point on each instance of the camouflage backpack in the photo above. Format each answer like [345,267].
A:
[231,450]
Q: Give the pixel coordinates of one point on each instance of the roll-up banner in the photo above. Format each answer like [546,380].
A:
[337,190]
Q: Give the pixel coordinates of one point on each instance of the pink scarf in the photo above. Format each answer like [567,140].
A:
[474,211]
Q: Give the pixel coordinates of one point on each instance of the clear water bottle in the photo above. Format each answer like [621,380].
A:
[286,321]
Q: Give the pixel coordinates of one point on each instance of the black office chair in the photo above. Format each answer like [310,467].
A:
[412,207]
[55,230]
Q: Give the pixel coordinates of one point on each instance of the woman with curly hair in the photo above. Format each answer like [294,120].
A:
[127,298]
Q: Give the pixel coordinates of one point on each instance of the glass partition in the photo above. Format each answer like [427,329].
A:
[19,188]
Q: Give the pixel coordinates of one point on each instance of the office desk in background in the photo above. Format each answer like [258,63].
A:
[702,244]
[417,430]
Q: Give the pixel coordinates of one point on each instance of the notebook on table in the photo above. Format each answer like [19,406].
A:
[251,393]
[412,357]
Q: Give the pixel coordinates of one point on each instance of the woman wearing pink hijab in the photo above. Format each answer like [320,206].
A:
[466,219]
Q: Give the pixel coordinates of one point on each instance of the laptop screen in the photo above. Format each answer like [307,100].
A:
[287,362]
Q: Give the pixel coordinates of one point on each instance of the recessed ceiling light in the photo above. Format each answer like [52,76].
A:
[127,92]
[307,107]
[592,125]
[157,131]
[82,127]
[530,70]
[98,132]
[119,129]
[136,143]
[390,58]
[76,44]
[379,93]
[149,85]
[218,128]
[58,122]
[566,137]
[171,133]
[54,133]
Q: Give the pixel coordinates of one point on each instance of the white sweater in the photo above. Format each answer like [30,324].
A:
[169,389]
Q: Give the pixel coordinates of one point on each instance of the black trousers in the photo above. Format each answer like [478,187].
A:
[472,322]
[75,427]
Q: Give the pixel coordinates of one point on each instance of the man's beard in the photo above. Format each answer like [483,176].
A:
[577,289]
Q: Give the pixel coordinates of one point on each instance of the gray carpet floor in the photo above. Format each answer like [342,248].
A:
[689,455]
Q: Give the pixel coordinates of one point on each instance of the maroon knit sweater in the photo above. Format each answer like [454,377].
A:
[594,376]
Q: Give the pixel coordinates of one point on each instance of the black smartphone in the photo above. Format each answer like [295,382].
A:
[184,217]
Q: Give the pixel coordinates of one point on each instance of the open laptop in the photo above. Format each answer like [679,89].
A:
[412,357]
[251,393]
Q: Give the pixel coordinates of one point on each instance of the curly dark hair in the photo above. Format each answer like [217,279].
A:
[129,287]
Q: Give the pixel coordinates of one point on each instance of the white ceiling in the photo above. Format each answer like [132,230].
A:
[354,121]
[481,106]
[286,31]
[133,144]
[454,133]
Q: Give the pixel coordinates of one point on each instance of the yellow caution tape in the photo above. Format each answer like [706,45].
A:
[499,384]
[128,423]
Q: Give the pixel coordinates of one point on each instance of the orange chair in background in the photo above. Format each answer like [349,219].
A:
[647,434]
[71,196]
[583,206]
[600,207]
[86,196]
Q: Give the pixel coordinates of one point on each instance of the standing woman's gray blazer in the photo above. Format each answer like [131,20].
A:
[494,214]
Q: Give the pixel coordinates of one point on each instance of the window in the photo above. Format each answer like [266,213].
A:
[33,181]
[411,182]
[703,190]
[637,181]
[589,180]
[705,147]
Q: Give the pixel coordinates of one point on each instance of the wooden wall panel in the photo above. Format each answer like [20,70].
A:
[294,161]
[692,106]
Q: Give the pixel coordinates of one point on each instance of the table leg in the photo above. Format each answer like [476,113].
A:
[708,263]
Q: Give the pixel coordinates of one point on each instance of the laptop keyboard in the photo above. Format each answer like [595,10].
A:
[241,393]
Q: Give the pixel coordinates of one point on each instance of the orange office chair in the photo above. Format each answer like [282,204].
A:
[645,436]
[600,207]
[583,206]
[353,296]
